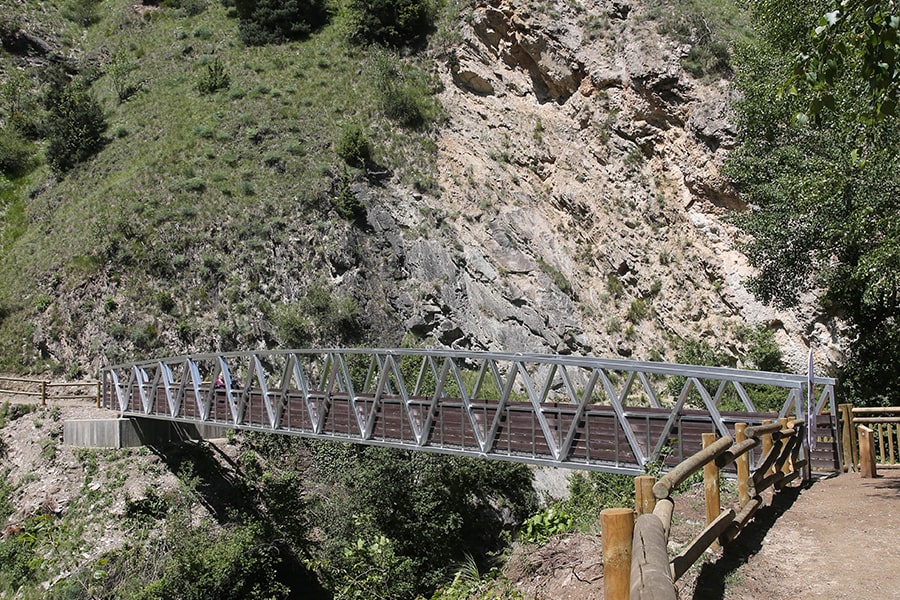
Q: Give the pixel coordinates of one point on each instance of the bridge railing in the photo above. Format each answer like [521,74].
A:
[580,412]
[637,564]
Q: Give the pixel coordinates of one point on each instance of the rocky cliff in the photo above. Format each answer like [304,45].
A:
[581,207]
[578,208]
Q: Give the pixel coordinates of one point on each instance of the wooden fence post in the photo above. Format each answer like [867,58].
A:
[866,453]
[98,394]
[711,484]
[644,500]
[787,466]
[846,413]
[743,465]
[767,444]
[43,393]
[617,532]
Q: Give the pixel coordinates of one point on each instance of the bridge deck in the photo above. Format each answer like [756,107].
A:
[578,413]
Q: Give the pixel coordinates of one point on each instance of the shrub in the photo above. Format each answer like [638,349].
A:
[403,96]
[190,7]
[391,22]
[75,127]
[545,524]
[638,310]
[82,12]
[277,21]
[214,78]
[452,507]
[345,201]
[353,147]
[15,152]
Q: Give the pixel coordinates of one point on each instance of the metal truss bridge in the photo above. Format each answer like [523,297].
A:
[566,411]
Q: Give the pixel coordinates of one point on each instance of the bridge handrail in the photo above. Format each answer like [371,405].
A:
[652,574]
[788,380]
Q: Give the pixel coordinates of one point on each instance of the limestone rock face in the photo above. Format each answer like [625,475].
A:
[581,206]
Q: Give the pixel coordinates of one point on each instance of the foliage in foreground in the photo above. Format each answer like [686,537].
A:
[823,192]
[395,522]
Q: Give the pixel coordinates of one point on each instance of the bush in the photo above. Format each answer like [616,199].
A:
[190,7]
[393,23]
[75,127]
[545,524]
[15,152]
[214,78]
[345,201]
[403,91]
[277,21]
[451,507]
[82,12]
[353,147]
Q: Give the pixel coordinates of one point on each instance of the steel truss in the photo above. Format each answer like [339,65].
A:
[570,411]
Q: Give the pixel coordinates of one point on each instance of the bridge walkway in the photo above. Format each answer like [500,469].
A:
[577,412]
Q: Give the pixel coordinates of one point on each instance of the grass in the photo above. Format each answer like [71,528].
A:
[711,27]
[186,173]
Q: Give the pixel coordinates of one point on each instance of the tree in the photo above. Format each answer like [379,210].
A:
[857,40]
[75,126]
[277,21]
[822,191]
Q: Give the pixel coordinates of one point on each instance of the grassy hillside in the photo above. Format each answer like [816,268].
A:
[217,156]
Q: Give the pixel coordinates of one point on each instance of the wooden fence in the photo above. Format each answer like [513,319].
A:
[50,390]
[871,437]
[636,560]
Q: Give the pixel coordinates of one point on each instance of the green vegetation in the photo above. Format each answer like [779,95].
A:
[824,182]
[75,126]
[761,353]
[711,28]
[451,509]
[391,22]
[177,141]
[277,21]
[353,146]
[853,46]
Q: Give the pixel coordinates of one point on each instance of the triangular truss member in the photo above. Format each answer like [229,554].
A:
[142,382]
[173,400]
[490,368]
[616,401]
[531,408]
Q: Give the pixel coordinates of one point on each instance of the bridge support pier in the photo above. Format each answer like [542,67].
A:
[133,432]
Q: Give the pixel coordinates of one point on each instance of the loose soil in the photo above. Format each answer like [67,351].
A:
[834,539]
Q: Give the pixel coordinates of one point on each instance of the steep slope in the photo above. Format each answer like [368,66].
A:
[581,209]
[567,201]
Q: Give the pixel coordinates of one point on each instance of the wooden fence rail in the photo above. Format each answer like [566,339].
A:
[49,390]
[653,573]
[872,433]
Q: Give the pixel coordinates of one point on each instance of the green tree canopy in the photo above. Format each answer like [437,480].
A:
[855,43]
[823,193]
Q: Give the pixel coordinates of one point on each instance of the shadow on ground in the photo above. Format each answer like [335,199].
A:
[711,581]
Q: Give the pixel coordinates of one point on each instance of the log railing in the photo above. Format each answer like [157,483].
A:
[873,436]
[50,390]
[651,573]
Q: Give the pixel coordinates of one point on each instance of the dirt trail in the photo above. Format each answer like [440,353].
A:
[836,539]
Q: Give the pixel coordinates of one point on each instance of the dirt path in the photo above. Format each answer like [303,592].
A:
[839,538]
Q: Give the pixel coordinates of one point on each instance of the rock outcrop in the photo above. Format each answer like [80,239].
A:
[581,205]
